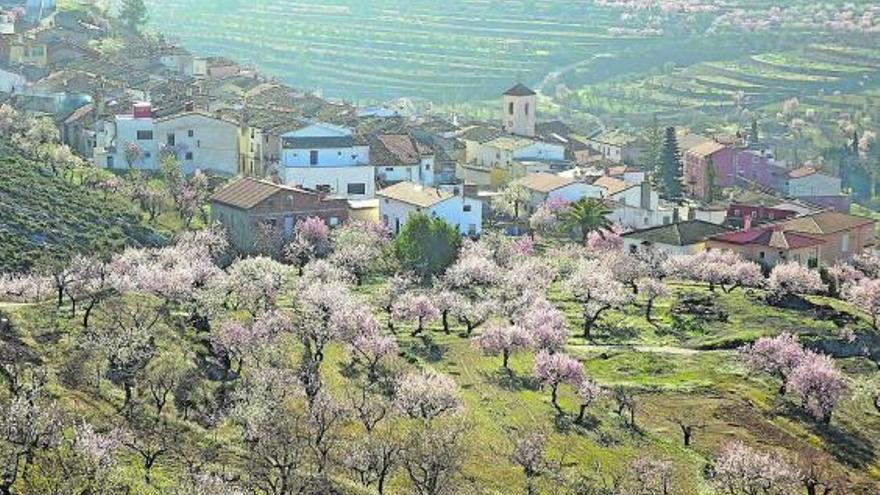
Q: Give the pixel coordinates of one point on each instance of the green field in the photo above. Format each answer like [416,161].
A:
[672,370]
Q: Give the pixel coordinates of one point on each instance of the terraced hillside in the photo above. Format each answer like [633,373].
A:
[463,50]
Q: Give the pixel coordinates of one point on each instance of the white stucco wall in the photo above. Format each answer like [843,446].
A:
[395,213]
[814,185]
[337,178]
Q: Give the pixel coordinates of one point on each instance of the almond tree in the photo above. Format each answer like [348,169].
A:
[528,453]
[546,325]
[596,289]
[553,370]
[818,384]
[311,240]
[373,348]
[865,295]
[792,279]
[741,470]
[503,340]
[254,284]
[777,356]
[588,391]
[651,289]
[358,247]
[433,456]
[417,309]
[427,395]
[30,423]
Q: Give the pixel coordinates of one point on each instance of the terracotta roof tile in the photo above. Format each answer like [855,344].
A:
[544,182]
[414,194]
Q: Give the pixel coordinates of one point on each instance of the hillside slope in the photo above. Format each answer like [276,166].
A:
[41,214]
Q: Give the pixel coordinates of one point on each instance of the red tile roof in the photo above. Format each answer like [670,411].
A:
[770,237]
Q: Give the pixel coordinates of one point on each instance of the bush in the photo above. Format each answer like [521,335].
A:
[426,245]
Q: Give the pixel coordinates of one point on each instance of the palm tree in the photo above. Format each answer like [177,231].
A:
[585,216]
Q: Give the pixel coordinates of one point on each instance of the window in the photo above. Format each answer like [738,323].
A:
[510,108]
[761,255]
[427,166]
[334,221]
[527,109]
[313,157]
[190,133]
[844,243]
[385,220]
[357,188]
[467,208]
[389,169]
[170,138]
[145,135]
[338,153]
[472,229]
[148,155]
[323,188]
[188,156]
[109,161]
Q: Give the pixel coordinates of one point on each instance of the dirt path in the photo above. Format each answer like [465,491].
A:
[651,349]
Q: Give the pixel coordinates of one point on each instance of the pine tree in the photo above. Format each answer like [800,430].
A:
[671,166]
[133,13]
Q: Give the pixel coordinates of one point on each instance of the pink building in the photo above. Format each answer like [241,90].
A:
[732,165]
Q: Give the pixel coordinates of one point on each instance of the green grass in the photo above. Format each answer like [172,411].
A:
[670,374]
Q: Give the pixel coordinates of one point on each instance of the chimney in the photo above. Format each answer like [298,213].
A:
[747,221]
[142,111]
[646,195]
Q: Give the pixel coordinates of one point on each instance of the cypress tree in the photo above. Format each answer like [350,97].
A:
[672,168]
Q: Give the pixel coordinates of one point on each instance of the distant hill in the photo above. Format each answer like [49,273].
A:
[43,215]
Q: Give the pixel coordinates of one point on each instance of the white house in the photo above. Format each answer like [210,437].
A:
[326,158]
[398,202]
[399,157]
[503,151]
[687,237]
[635,206]
[545,186]
[807,181]
[617,146]
[200,141]
[12,82]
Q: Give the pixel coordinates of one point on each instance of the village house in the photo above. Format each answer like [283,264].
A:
[819,239]
[634,206]
[251,209]
[687,237]
[771,245]
[618,146]
[200,141]
[329,159]
[756,214]
[545,187]
[398,202]
[822,189]
[400,157]
[731,166]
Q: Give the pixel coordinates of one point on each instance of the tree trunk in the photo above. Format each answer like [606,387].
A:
[88,312]
[687,432]
[505,358]
[445,319]
[648,309]
[581,413]
[554,395]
